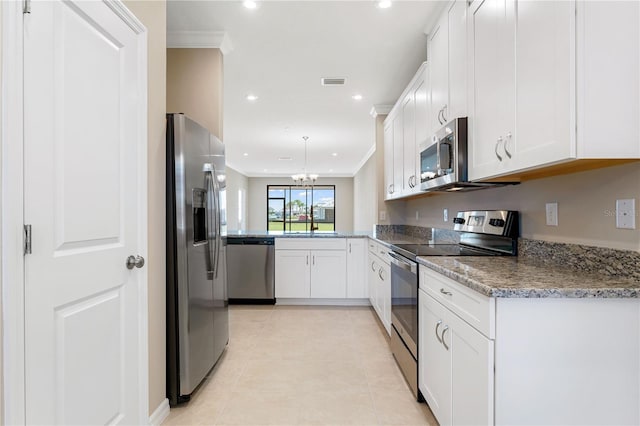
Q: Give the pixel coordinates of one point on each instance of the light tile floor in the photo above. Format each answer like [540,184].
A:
[304,366]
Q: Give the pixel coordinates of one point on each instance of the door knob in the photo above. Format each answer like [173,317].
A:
[135,261]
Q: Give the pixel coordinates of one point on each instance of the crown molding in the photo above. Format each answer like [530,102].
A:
[377,110]
[200,39]
[364,160]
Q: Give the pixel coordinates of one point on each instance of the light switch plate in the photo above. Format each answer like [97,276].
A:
[445,215]
[417,214]
[552,214]
[382,215]
[626,213]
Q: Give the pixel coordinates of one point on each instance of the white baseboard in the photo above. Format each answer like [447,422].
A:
[160,414]
[322,302]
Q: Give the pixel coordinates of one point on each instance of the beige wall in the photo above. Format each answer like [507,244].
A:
[237,188]
[153,15]
[194,86]
[258,201]
[365,196]
[1,310]
[586,205]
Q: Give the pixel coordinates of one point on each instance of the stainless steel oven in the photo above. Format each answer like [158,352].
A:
[404,316]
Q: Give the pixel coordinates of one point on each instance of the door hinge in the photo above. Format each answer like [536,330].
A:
[27,239]
[27,6]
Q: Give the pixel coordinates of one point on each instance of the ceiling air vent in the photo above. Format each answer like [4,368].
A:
[332,81]
[285,158]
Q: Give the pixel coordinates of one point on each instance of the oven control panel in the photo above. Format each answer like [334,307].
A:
[504,223]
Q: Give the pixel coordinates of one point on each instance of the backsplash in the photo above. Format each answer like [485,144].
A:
[590,259]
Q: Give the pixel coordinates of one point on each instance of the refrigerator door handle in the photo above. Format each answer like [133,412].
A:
[217,224]
[211,205]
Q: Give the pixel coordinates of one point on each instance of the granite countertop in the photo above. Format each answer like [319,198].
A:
[525,278]
[297,234]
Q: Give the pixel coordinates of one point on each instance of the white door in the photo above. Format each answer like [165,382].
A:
[85,197]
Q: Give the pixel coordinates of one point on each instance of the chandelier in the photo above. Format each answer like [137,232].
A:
[303,179]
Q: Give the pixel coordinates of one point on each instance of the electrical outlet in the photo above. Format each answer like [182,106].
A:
[552,214]
[445,215]
[382,215]
[626,214]
[417,214]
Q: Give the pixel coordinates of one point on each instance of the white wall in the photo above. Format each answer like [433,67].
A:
[586,206]
[237,197]
[365,196]
[257,206]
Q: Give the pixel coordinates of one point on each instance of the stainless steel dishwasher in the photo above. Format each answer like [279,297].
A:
[251,270]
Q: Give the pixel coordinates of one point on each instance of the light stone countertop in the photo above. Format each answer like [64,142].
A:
[518,278]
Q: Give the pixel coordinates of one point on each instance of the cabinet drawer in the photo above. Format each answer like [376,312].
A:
[474,308]
[325,243]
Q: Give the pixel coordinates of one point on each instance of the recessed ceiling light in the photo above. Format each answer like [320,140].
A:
[330,170]
[384,4]
[249,4]
[265,170]
[357,97]
[252,98]
[246,154]
[285,158]
[335,154]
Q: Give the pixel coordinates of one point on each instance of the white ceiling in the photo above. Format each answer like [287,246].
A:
[282,49]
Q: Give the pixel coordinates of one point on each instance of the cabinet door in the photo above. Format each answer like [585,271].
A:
[372,273]
[409,142]
[388,159]
[457,27]
[328,274]
[384,293]
[439,58]
[492,81]
[545,66]
[356,269]
[434,362]
[471,374]
[292,273]
[398,154]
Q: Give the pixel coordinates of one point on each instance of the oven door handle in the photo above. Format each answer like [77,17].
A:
[402,263]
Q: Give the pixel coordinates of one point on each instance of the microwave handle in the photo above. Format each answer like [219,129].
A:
[438,166]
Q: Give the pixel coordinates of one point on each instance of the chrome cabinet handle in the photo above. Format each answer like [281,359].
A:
[506,151]
[393,188]
[313,260]
[496,150]
[135,262]
[438,325]
[389,189]
[373,266]
[439,113]
[349,247]
[380,274]
[448,293]
[444,118]
[307,259]
[444,330]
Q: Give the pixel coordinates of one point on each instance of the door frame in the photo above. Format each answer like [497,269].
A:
[12,213]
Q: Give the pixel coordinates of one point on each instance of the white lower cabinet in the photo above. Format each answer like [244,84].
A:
[510,361]
[328,274]
[357,269]
[293,277]
[379,283]
[455,373]
[311,268]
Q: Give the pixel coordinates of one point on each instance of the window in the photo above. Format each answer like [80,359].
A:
[296,208]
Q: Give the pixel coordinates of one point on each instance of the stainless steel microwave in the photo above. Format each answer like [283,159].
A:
[443,159]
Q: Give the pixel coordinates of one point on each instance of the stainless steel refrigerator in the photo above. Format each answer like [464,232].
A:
[197,302]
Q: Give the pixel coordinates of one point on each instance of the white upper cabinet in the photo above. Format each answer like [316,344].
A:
[405,128]
[438,57]
[608,79]
[447,56]
[388,160]
[552,82]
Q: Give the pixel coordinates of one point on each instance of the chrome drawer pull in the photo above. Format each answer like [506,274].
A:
[448,293]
